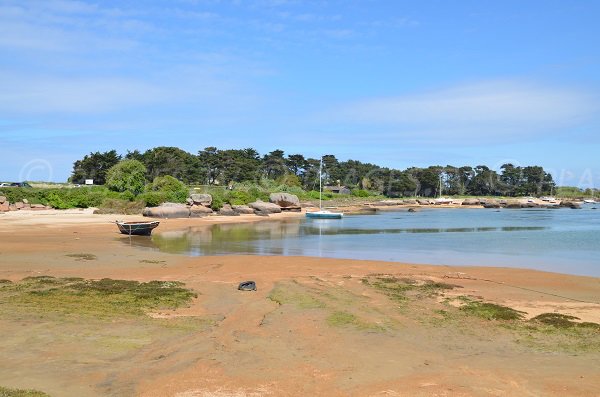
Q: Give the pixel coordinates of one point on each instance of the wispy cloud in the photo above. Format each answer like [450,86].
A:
[485,109]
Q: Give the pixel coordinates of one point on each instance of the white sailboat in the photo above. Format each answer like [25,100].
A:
[440,199]
[321,213]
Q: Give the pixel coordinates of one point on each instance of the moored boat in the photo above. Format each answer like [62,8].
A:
[137,228]
[324,214]
[321,213]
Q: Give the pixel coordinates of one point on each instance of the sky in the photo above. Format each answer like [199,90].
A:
[395,83]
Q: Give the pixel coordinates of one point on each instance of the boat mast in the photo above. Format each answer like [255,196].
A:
[320,187]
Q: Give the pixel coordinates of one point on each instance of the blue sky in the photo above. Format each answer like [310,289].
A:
[396,83]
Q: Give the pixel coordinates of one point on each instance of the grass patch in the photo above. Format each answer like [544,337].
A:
[401,289]
[345,319]
[558,320]
[283,296]
[104,297]
[491,311]
[341,319]
[83,257]
[6,392]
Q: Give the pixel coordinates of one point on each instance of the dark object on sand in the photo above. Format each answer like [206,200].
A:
[137,228]
[247,286]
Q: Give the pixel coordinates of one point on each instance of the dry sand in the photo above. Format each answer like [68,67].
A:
[251,345]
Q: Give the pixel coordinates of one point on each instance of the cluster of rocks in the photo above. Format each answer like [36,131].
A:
[200,205]
[483,202]
[6,206]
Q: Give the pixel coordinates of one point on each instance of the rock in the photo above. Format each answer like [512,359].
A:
[423,202]
[168,210]
[491,203]
[410,201]
[19,205]
[38,206]
[201,199]
[242,209]
[388,203]
[25,201]
[2,199]
[261,213]
[291,209]
[570,204]
[12,207]
[412,210]
[268,208]
[189,201]
[471,201]
[199,211]
[226,210]
[284,199]
[4,206]
[514,205]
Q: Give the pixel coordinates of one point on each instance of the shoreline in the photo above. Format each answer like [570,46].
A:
[315,326]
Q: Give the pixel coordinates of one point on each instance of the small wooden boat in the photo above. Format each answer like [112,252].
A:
[137,228]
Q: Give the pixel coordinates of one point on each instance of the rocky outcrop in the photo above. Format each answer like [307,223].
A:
[570,204]
[423,202]
[268,208]
[410,201]
[201,199]
[242,209]
[167,211]
[227,210]
[199,211]
[284,199]
[491,203]
[471,201]
[2,199]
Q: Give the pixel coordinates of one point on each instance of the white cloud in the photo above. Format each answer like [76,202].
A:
[26,94]
[494,107]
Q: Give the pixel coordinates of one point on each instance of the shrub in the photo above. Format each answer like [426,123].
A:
[239,198]
[217,203]
[153,199]
[167,184]
[127,175]
[360,193]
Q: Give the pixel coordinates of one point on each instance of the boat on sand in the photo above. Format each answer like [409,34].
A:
[137,228]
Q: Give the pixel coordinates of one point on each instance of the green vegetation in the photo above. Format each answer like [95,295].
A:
[341,319]
[401,289]
[127,175]
[289,295]
[217,167]
[6,392]
[558,320]
[490,311]
[98,298]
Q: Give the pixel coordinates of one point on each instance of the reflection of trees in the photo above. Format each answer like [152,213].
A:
[226,238]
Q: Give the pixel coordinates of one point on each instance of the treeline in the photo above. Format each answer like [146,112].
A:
[213,166]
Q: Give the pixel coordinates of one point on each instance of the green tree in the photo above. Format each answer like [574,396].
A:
[94,166]
[127,175]
[165,160]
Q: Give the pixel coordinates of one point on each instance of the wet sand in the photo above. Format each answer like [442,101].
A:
[254,345]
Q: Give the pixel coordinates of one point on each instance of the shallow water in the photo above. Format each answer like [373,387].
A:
[559,240]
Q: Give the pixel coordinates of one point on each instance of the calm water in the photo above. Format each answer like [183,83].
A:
[562,240]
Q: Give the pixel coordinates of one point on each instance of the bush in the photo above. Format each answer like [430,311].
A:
[127,175]
[360,193]
[153,199]
[167,184]
[239,198]
[217,203]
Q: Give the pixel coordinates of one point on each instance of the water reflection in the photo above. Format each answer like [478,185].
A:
[257,238]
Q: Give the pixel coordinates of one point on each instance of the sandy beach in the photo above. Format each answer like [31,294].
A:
[314,326]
